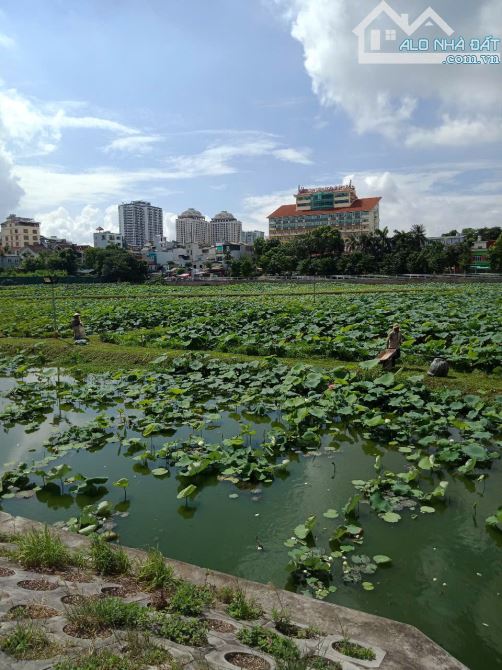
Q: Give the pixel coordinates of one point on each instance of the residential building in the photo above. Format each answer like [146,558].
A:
[480,256]
[224,227]
[192,227]
[165,254]
[9,261]
[337,206]
[16,232]
[447,240]
[139,222]
[104,238]
[54,243]
[250,236]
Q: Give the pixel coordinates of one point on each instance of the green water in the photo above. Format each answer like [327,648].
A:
[446,576]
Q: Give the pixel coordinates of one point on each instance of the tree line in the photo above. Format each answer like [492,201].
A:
[323,252]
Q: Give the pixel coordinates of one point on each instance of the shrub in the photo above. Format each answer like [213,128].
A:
[28,641]
[269,642]
[182,630]
[244,608]
[190,599]
[108,559]
[96,614]
[43,549]
[154,573]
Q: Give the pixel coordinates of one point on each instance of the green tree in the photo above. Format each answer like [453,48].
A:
[115,264]
[496,255]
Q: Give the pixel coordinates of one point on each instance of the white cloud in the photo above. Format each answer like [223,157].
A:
[389,99]
[135,144]
[60,223]
[35,128]
[440,200]
[291,155]
[256,208]
[10,188]
[6,41]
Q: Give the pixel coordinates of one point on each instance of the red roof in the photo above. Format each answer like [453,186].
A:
[359,205]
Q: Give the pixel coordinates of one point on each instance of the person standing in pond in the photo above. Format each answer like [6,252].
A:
[394,340]
[78,327]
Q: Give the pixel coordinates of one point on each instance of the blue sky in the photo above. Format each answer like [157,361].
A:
[230,104]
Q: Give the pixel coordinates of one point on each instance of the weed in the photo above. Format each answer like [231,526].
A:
[96,614]
[154,573]
[8,537]
[107,559]
[183,630]
[140,649]
[226,594]
[44,549]
[269,642]
[28,641]
[190,599]
[354,650]
[244,608]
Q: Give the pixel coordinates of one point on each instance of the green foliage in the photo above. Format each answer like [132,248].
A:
[269,642]
[44,549]
[108,559]
[496,255]
[27,641]
[115,264]
[190,599]
[182,630]
[240,607]
[154,572]
[354,650]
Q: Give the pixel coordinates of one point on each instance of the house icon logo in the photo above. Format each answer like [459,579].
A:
[383,30]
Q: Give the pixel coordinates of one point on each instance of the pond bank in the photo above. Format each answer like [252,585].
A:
[396,645]
[100,356]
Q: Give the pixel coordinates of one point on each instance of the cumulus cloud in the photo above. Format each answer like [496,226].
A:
[6,42]
[10,188]
[293,156]
[256,208]
[389,99]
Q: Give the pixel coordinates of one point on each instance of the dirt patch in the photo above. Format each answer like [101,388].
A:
[6,572]
[37,585]
[74,631]
[32,611]
[68,575]
[220,626]
[159,600]
[116,591]
[248,661]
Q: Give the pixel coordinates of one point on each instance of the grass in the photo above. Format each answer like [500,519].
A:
[269,642]
[154,573]
[28,642]
[240,607]
[100,356]
[108,559]
[94,615]
[354,650]
[44,549]
[139,653]
[190,599]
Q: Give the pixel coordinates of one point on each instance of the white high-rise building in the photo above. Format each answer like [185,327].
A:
[250,236]
[224,227]
[191,226]
[139,222]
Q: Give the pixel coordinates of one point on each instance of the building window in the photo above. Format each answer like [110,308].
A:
[390,35]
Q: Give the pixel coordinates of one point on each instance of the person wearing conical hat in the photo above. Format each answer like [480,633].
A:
[78,327]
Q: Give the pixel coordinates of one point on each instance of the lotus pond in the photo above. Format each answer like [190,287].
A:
[462,322]
[358,487]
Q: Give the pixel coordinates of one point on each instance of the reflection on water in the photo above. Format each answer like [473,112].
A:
[446,575]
